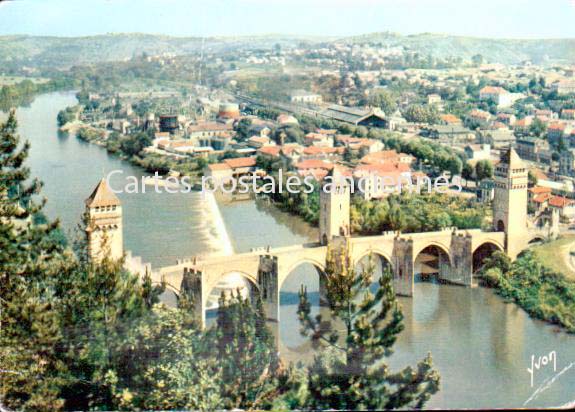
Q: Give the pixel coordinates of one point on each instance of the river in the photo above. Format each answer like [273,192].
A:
[481,346]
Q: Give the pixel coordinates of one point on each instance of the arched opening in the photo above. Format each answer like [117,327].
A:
[536,240]
[311,277]
[431,264]
[232,282]
[380,263]
[500,226]
[482,253]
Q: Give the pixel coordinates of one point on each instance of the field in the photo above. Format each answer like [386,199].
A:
[10,80]
[556,255]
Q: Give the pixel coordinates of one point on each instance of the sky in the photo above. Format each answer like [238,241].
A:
[481,18]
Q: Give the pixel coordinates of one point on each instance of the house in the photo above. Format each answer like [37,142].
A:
[218,171]
[387,156]
[303,96]
[506,118]
[260,129]
[355,115]
[450,119]
[564,87]
[378,180]
[448,133]
[220,141]
[498,138]
[209,129]
[557,131]
[539,197]
[566,207]
[318,139]
[498,95]
[315,152]
[260,141]
[567,162]
[534,149]
[568,114]
[486,191]
[318,169]
[270,151]
[286,119]
[357,143]
[521,126]
[478,117]
[478,151]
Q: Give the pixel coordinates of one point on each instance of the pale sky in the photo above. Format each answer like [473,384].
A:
[482,18]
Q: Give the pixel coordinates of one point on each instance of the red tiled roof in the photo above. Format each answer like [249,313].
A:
[314,164]
[540,189]
[218,166]
[559,201]
[541,197]
[492,90]
[450,118]
[313,150]
[270,150]
[240,162]
[556,126]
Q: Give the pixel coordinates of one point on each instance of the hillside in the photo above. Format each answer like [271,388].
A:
[506,51]
[63,52]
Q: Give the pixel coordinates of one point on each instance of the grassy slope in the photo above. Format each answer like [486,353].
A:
[554,255]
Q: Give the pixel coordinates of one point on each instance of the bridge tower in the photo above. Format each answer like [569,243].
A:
[334,199]
[104,226]
[510,202]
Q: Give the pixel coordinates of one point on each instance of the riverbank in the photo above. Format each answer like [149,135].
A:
[542,292]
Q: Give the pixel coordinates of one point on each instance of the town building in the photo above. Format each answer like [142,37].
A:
[478,151]
[303,96]
[448,133]
[355,115]
[564,87]
[533,149]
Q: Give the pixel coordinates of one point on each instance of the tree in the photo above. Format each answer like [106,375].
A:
[384,100]
[352,373]
[467,172]
[537,127]
[134,144]
[243,129]
[532,178]
[483,170]
[245,352]
[477,60]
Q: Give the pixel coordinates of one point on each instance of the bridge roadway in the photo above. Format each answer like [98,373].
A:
[267,268]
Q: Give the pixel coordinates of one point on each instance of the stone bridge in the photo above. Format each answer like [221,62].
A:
[458,251]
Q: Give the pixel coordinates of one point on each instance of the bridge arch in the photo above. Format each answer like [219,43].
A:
[432,258]
[310,274]
[483,251]
[226,280]
[381,261]
[319,266]
[430,245]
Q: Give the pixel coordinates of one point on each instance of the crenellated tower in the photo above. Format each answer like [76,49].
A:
[334,206]
[510,202]
[104,226]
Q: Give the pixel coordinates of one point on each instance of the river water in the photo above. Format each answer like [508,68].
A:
[481,346]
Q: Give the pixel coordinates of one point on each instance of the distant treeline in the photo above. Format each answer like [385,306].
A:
[23,93]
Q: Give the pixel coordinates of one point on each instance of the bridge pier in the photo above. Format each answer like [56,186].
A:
[403,266]
[269,288]
[193,286]
[460,269]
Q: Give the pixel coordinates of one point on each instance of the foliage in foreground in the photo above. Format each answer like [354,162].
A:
[78,335]
[352,373]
